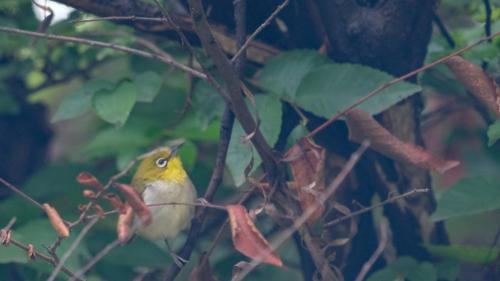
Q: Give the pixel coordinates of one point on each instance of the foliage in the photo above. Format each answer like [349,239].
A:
[107,107]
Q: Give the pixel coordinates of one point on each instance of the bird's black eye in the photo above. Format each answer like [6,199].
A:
[161,162]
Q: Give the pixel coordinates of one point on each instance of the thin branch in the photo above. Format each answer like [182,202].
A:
[119,18]
[368,209]
[94,43]
[487,22]
[22,194]
[259,29]
[226,128]
[397,80]
[443,30]
[380,249]
[95,259]
[6,239]
[72,248]
[233,85]
[300,221]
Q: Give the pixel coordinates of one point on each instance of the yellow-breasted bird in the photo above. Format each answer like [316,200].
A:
[161,179]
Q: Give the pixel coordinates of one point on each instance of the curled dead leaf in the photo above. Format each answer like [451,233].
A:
[363,126]
[123,226]
[307,162]
[476,81]
[56,221]
[135,201]
[87,193]
[87,179]
[116,202]
[247,239]
[31,252]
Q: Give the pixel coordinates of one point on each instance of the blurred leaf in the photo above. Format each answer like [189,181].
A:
[469,196]
[188,154]
[115,107]
[330,89]
[80,102]
[424,272]
[448,270]
[239,154]
[465,253]
[395,271]
[148,83]
[8,104]
[145,253]
[283,74]
[206,103]
[114,141]
[493,133]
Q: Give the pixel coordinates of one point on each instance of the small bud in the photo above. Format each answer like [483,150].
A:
[56,221]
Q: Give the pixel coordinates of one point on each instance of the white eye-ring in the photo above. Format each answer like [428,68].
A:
[161,162]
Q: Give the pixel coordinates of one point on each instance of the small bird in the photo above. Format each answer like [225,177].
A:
[162,179]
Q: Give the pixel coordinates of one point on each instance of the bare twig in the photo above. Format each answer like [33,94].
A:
[380,249]
[119,18]
[22,194]
[95,259]
[94,43]
[444,31]
[397,80]
[487,22]
[6,239]
[367,209]
[259,29]
[72,248]
[300,221]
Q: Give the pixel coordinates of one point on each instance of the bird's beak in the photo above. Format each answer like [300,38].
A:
[175,148]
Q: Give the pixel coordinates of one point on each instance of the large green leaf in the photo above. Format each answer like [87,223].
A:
[114,141]
[465,253]
[80,102]
[469,196]
[148,85]
[115,106]
[240,152]
[282,74]
[330,89]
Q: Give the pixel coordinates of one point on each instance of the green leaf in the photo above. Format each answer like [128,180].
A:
[465,253]
[493,133]
[115,107]
[330,89]
[79,102]
[145,254]
[395,271]
[188,154]
[240,153]
[282,74]
[148,85]
[469,196]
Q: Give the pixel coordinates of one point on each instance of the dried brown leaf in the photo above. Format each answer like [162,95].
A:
[307,162]
[87,193]
[135,201]
[124,224]
[31,252]
[56,221]
[476,81]
[246,237]
[116,202]
[363,126]
[87,179]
